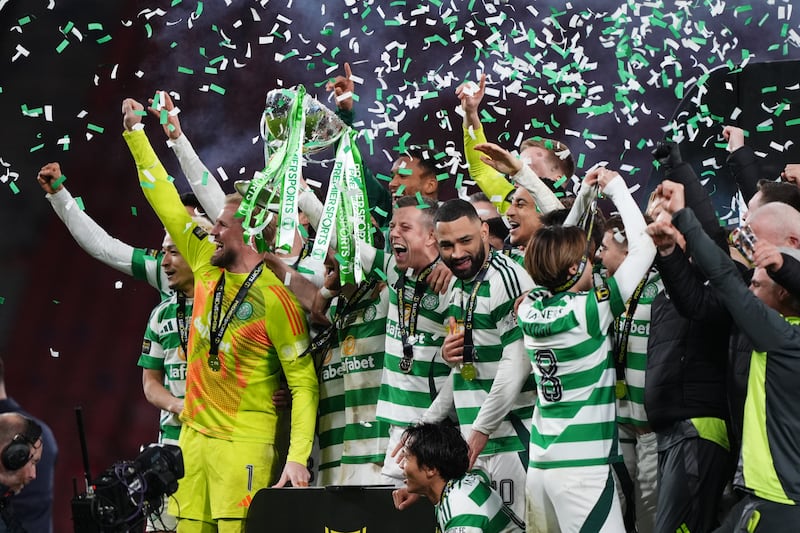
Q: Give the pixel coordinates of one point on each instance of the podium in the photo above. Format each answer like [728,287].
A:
[336,509]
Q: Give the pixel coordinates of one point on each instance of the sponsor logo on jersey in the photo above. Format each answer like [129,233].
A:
[640,328]
[146,345]
[244,311]
[349,365]
[199,232]
[176,372]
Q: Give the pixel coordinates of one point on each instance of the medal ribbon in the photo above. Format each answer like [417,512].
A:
[472,303]
[419,290]
[217,329]
[183,327]
[621,337]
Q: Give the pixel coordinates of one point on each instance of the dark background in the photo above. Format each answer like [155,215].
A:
[604,76]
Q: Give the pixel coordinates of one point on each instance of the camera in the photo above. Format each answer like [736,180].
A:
[122,497]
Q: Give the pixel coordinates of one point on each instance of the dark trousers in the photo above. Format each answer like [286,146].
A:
[756,515]
[692,476]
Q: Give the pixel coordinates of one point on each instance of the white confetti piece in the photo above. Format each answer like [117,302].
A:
[54,354]
[117,284]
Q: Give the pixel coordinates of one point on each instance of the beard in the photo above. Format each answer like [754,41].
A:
[223,258]
[476,262]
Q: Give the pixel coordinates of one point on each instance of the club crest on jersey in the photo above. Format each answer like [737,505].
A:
[369,313]
[430,301]
[245,311]
[650,291]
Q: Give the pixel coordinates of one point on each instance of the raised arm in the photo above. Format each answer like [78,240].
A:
[742,162]
[496,187]
[161,193]
[203,183]
[141,263]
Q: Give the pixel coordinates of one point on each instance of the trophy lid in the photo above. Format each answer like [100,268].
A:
[267,198]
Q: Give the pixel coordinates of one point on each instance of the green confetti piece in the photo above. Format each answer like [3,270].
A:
[94,128]
[420,200]
[37,147]
[335,52]
[68,27]
[62,45]
[173,44]
[170,179]
[2,300]
[764,127]
[204,180]
[56,302]
[459,180]
[148,29]
[443,176]
[13,187]
[560,181]
[580,161]
[383,177]
[216,60]
[210,70]
[24,20]
[771,89]
[340,259]
[679,90]
[400,190]
[146,185]
[216,88]
[184,70]
[163,116]
[175,3]
[103,40]
[57,183]
[405,171]
[94,26]
[199,10]
[380,211]
[133,207]
[793,122]
[79,203]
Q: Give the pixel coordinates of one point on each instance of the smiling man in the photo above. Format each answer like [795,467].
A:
[435,464]
[483,332]
[413,173]
[247,328]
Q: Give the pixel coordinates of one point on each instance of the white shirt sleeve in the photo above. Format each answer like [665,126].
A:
[204,184]
[546,200]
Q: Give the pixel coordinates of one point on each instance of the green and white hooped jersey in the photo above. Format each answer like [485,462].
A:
[494,328]
[469,505]
[404,397]
[362,343]
[146,266]
[630,408]
[566,337]
[331,422]
[161,350]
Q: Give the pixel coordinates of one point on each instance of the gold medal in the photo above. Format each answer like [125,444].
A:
[213,362]
[468,371]
[621,389]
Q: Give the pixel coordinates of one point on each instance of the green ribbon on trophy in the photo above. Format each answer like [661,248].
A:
[294,125]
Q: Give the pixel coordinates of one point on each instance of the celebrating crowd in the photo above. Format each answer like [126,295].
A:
[542,357]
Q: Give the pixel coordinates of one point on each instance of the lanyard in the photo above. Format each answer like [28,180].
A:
[621,337]
[183,327]
[469,349]
[340,318]
[408,331]
[218,328]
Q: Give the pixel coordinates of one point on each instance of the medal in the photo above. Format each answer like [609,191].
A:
[405,364]
[213,362]
[468,372]
[621,389]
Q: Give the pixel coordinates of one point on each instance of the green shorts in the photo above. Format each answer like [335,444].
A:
[220,477]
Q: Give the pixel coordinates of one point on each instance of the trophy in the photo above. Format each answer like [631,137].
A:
[322,126]
[293,126]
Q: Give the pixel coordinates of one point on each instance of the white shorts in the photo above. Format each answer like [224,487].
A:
[508,478]
[561,499]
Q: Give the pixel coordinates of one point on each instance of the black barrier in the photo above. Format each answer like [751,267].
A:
[351,509]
